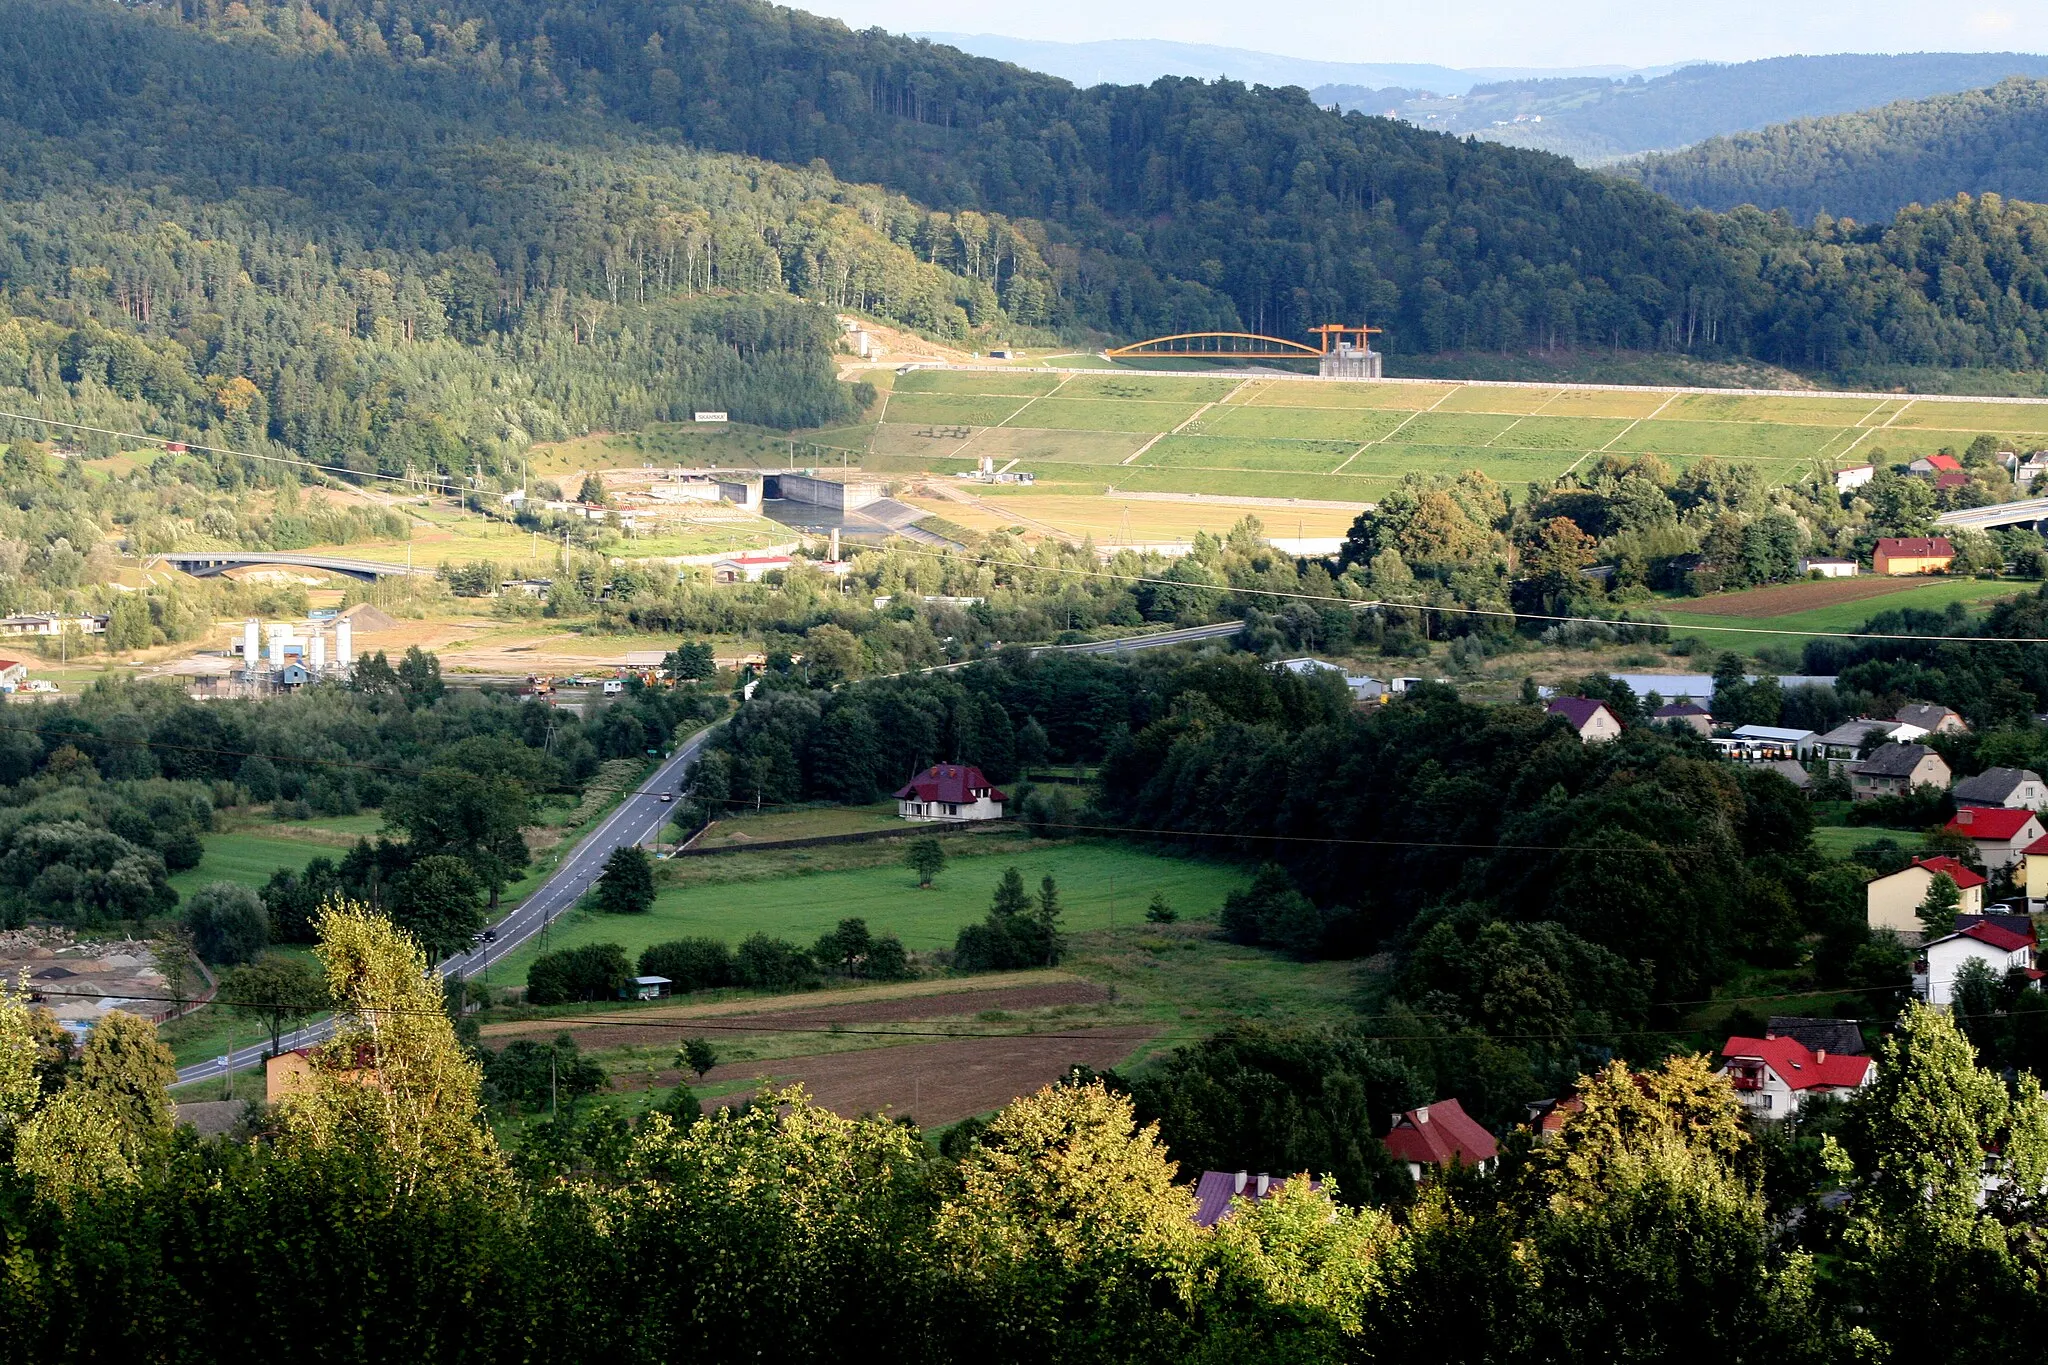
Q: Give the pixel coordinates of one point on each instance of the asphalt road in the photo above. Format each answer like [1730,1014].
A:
[1185,636]
[635,820]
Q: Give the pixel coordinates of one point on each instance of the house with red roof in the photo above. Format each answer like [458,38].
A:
[2002,835]
[12,674]
[2004,943]
[1893,902]
[1437,1135]
[1936,464]
[1896,555]
[2035,875]
[951,793]
[1774,1076]
[749,568]
[1590,719]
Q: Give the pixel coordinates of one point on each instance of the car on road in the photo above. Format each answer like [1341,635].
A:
[668,796]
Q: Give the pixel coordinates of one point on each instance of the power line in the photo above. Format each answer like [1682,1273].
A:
[1485,612]
[1356,605]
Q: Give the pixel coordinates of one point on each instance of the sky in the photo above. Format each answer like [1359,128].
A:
[1467,33]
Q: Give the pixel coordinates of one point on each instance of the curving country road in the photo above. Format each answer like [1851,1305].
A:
[635,820]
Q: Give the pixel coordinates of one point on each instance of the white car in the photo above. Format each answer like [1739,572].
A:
[668,796]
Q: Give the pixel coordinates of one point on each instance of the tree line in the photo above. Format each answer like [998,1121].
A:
[1654,1224]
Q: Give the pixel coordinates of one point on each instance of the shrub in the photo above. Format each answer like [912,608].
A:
[774,964]
[227,923]
[592,972]
[692,964]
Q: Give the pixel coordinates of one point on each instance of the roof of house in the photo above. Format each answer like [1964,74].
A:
[1993,786]
[2023,925]
[1579,710]
[1943,462]
[1924,714]
[949,783]
[1783,734]
[1991,935]
[1916,547]
[768,561]
[1679,709]
[1844,1036]
[1853,733]
[1800,1067]
[1988,822]
[2039,846]
[1893,760]
[1951,478]
[1792,770]
[1957,873]
[11,663]
[1215,1190]
[1438,1134]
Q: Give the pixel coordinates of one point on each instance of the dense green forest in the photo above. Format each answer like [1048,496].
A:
[1596,119]
[391,237]
[1872,164]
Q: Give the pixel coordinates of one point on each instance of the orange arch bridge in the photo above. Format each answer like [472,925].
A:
[1216,346]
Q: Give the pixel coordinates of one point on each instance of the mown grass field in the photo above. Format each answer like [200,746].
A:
[249,857]
[732,897]
[1134,430]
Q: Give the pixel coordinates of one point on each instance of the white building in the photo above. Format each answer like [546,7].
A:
[1774,1076]
[1855,476]
[950,793]
[748,568]
[1995,940]
[1364,687]
[1829,568]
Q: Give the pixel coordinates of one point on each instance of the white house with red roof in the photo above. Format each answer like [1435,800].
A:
[13,674]
[2000,833]
[953,793]
[1893,902]
[1437,1135]
[1591,719]
[2001,942]
[1773,1076]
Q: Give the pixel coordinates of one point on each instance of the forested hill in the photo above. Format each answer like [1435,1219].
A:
[394,235]
[1869,165]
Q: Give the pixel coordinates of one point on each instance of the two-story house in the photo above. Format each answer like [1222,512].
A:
[1895,770]
[2002,835]
[1893,902]
[2003,943]
[1774,1076]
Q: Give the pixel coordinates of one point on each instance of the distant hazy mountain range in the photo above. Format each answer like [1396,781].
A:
[1594,115]
[1600,119]
[1869,165]
[1140,61]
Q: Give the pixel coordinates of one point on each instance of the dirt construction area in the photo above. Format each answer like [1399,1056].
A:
[1014,1040]
[1786,598]
[940,1083]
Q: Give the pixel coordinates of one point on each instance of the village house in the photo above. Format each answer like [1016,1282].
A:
[13,674]
[1936,464]
[2019,788]
[1687,714]
[1895,770]
[1364,687]
[1847,741]
[1855,476]
[1590,719]
[39,624]
[951,793]
[2002,834]
[748,568]
[1217,1190]
[2002,943]
[1437,1135]
[1774,1077]
[2034,873]
[1900,555]
[1829,568]
[1930,719]
[1843,1036]
[1893,902]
